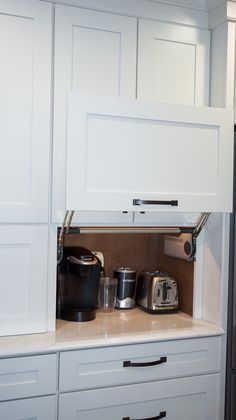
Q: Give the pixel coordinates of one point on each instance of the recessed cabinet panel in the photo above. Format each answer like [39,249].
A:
[97,43]
[95,53]
[25,77]
[173,63]
[156,146]
[172,157]
[23,261]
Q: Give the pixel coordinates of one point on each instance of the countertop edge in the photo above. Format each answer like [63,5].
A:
[20,346]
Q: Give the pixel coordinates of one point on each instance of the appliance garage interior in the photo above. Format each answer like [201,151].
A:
[152,288]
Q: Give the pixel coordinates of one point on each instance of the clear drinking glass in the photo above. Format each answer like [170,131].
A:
[107,294]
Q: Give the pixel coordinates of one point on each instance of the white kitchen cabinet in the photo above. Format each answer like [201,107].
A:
[178,377]
[24,377]
[137,218]
[171,379]
[103,218]
[95,53]
[150,218]
[41,408]
[23,261]
[81,369]
[178,399]
[172,156]
[173,63]
[25,86]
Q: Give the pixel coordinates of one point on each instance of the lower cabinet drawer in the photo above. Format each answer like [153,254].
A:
[29,376]
[194,398]
[42,408]
[102,367]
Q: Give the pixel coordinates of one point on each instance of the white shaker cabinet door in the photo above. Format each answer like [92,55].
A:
[23,285]
[95,53]
[25,78]
[42,408]
[173,63]
[28,376]
[171,157]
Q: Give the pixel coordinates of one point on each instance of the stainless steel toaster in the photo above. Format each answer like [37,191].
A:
[157,292]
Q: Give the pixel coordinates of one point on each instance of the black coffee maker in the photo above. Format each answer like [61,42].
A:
[78,284]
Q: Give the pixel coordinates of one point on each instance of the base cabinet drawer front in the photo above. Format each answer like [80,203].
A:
[179,399]
[42,408]
[28,376]
[94,368]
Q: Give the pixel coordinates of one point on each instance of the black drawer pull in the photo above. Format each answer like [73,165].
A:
[161,416]
[128,363]
[137,202]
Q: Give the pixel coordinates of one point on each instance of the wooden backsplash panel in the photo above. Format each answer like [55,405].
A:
[183,271]
[138,251]
[141,252]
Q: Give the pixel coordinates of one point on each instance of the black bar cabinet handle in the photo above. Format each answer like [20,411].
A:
[128,363]
[137,202]
[161,416]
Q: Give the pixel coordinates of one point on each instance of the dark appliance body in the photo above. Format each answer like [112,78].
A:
[78,284]
[230,405]
[125,296]
[230,413]
[230,397]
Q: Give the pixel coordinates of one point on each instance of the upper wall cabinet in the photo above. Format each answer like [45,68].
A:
[95,52]
[25,86]
[173,63]
[154,156]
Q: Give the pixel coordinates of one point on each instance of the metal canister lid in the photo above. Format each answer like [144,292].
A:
[154,273]
[124,270]
[83,260]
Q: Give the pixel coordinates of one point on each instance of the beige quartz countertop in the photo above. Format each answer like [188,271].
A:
[119,327]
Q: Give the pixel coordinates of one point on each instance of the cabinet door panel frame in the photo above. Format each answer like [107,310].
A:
[26,108]
[81,22]
[24,256]
[169,153]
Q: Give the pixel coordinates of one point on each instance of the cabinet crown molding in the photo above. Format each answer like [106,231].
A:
[221,13]
[190,4]
[184,12]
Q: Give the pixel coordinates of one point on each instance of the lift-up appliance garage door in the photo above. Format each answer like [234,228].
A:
[131,155]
